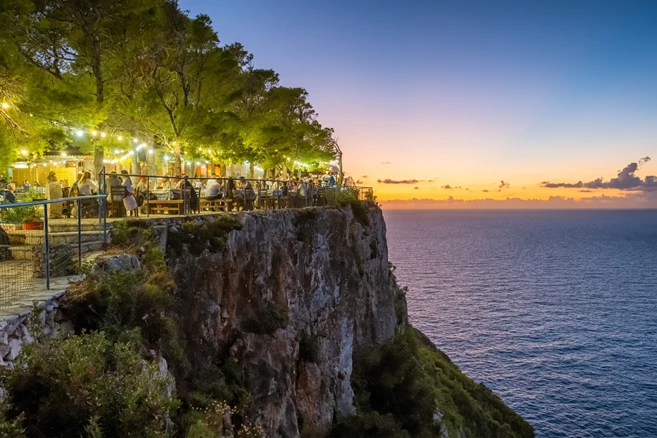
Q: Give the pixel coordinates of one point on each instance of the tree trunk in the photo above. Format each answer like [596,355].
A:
[251,170]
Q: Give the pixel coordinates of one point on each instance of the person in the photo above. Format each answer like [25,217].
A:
[52,177]
[214,189]
[85,184]
[114,180]
[331,179]
[249,195]
[78,178]
[36,184]
[230,189]
[284,189]
[127,183]
[9,193]
[26,185]
[142,185]
[303,192]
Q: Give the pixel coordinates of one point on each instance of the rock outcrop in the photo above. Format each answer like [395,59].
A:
[293,296]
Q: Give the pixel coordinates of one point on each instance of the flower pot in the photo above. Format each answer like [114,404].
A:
[33,226]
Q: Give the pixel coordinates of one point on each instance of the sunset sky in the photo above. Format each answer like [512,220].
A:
[472,99]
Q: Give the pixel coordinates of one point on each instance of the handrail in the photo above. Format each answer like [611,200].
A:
[50,201]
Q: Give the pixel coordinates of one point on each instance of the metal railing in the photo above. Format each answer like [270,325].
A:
[186,195]
[44,240]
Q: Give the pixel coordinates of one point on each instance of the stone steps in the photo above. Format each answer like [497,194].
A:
[63,227]
[70,237]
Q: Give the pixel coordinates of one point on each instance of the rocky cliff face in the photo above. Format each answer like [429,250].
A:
[293,297]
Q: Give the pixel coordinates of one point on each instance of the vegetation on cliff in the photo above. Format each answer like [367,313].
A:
[409,388]
[155,348]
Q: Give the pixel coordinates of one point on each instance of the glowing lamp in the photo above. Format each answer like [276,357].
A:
[5,105]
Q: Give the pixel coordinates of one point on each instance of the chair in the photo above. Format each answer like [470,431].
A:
[117,193]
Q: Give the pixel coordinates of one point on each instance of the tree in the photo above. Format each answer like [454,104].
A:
[76,43]
[182,83]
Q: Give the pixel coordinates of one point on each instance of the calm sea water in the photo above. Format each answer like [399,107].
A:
[555,311]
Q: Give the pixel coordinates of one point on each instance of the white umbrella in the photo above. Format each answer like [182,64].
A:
[335,169]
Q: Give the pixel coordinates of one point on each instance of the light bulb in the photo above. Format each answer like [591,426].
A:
[79,133]
[102,134]
[94,133]
[5,105]
[119,138]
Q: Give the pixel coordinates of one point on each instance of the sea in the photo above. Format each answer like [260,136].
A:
[555,311]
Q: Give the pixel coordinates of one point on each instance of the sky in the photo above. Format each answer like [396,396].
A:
[471,103]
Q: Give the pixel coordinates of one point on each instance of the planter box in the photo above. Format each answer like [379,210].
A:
[33,226]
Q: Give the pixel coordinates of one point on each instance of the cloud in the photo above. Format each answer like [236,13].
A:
[386,162]
[503,185]
[626,180]
[364,176]
[416,188]
[586,191]
[448,187]
[629,201]
[359,182]
[485,191]
[401,181]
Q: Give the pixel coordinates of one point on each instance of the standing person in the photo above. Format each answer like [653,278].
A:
[284,189]
[26,185]
[303,191]
[129,201]
[9,193]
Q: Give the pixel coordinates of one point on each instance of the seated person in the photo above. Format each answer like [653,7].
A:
[9,193]
[86,185]
[214,190]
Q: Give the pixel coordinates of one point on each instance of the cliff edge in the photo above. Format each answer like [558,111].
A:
[276,323]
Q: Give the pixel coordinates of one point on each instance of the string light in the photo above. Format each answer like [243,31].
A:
[119,138]
[5,105]
[79,133]
[103,135]
[94,133]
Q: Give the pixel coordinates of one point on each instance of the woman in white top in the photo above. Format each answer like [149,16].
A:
[86,185]
[127,183]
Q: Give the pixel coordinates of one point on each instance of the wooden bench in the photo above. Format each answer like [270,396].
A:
[157,206]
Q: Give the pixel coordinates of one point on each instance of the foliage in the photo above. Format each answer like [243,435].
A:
[369,425]
[127,233]
[84,383]
[24,215]
[197,237]
[358,208]
[266,321]
[145,69]
[410,380]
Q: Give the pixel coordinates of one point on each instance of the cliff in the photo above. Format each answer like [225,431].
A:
[278,323]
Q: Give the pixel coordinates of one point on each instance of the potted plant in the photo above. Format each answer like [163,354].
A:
[32,218]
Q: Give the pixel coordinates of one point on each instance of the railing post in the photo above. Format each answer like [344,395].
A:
[148,196]
[103,203]
[184,193]
[47,245]
[79,202]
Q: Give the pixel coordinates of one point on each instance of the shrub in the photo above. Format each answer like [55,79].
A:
[409,379]
[369,425]
[207,235]
[266,321]
[87,383]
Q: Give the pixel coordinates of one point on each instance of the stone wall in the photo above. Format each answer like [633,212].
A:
[20,329]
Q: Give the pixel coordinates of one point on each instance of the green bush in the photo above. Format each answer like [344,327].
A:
[410,380]
[199,237]
[369,425]
[87,383]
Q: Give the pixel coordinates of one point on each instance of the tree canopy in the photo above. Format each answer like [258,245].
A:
[88,73]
